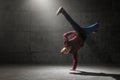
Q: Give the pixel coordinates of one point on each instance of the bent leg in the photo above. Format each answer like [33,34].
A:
[92,28]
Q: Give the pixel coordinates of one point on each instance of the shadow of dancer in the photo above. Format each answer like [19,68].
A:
[115,76]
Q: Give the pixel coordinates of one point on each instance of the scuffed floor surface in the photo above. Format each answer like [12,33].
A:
[44,72]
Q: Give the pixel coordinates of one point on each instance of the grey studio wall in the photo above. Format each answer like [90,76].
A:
[30,34]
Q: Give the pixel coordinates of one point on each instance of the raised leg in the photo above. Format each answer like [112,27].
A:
[75,26]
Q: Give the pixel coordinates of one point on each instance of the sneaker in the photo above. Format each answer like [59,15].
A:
[59,11]
[72,71]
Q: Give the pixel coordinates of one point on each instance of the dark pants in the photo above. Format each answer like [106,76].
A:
[75,26]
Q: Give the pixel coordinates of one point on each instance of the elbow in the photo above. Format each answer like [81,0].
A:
[64,35]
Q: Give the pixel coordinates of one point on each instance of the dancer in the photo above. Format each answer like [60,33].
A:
[74,40]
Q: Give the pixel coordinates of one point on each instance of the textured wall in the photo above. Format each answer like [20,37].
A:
[14,32]
[30,34]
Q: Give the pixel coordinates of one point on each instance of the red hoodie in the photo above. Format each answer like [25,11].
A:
[75,42]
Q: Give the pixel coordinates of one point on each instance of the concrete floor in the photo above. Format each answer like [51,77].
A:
[44,72]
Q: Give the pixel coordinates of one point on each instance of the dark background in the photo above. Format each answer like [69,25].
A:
[30,34]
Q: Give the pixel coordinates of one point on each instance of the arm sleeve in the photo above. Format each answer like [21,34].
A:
[65,37]
[73,38]
[68,33]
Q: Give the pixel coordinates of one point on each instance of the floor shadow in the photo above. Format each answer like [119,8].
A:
[115,76]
